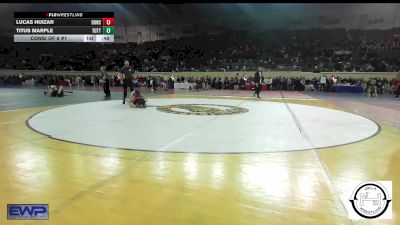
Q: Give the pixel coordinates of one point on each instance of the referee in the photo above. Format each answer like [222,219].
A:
[257,82]
[127,72]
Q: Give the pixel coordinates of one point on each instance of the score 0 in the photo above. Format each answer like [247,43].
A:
[108,21]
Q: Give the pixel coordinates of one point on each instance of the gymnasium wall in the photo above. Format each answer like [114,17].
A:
[364,75]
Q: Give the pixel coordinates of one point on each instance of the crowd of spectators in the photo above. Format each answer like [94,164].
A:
[322,50]
[86,80]
[301,50]
[277,83]
[282,83]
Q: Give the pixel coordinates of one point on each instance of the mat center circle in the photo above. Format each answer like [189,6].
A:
[203,125]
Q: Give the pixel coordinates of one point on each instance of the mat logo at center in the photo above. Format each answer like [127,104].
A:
[202,109]
[370,200]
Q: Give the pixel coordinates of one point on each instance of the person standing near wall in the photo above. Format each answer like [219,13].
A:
[398,90]
[323,83]
[106,84]
[394,83]
[379,85]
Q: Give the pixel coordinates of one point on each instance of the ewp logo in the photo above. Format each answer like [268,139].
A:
[27,211]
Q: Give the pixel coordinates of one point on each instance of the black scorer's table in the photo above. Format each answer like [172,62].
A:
[64,27]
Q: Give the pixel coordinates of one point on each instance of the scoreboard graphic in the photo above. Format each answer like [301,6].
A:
[64,27]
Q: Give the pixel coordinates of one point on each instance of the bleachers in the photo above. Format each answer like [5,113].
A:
[308,50]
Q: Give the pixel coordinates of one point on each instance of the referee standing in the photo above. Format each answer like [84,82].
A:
[257,82]
[127,72]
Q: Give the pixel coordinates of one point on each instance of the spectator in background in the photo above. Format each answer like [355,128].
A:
[397,86]
[106,82]
[334,80]
[372,88]
[323,83]
[394,85]
[269,83]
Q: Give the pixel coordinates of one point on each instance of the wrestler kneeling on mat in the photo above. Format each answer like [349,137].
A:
[137,100]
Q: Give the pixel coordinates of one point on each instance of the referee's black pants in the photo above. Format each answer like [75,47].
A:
[257,89]
[126,90]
